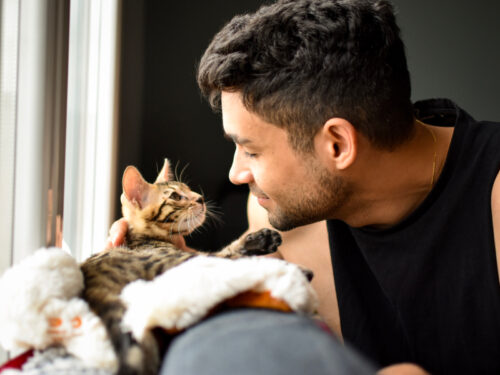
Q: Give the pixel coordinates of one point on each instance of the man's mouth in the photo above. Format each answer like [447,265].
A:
[261,196]
[262,199]
[258,193]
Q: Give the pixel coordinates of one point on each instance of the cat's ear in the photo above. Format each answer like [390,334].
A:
[135,187]
[165,173]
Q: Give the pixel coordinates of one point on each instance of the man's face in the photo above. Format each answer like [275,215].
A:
[295,188]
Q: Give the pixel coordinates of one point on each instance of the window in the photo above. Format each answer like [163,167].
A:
[57,117]
[33,99]
[91,125]
[33,96]
[9,32]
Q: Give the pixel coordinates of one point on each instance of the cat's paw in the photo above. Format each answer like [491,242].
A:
[262,242]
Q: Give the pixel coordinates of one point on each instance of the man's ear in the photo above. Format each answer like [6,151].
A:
[165,173]
[135,188]
[338,140]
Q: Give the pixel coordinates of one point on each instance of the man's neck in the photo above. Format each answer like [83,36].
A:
[389,186]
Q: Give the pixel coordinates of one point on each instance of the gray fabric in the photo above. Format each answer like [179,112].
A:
[252,342]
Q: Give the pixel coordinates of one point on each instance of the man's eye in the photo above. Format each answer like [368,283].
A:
[250,155]
[175,196]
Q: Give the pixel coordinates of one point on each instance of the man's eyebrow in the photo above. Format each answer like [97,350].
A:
[234,138]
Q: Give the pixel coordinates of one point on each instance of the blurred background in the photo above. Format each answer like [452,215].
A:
[453,50]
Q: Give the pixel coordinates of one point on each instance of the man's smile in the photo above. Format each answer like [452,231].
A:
[262,198]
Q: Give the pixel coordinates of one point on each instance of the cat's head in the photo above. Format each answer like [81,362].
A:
[161,209]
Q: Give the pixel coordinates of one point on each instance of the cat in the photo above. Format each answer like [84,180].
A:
[154,213]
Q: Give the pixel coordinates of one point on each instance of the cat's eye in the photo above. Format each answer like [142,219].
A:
[175,196]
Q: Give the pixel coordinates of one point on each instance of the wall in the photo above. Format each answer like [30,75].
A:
[453,50]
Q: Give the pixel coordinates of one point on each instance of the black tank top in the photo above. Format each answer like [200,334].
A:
[427,290]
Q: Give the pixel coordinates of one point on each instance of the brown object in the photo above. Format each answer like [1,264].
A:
[252,299]
[262,300]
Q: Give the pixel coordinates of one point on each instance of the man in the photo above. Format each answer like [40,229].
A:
[315,94]
[316,97]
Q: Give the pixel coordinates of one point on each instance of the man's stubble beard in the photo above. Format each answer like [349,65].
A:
[311,203]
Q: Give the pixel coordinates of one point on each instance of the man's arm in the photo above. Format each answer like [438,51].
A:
[495,212]
[403,369]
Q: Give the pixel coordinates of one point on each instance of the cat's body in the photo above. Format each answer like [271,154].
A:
[155,213]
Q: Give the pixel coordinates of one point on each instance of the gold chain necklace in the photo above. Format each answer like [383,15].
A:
[435,151]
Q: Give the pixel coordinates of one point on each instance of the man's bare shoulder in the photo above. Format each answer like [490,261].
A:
[495,212]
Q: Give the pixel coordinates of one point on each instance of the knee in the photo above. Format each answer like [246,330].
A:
[253,342]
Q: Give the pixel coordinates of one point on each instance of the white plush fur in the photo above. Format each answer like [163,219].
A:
[44,286]
[185,294]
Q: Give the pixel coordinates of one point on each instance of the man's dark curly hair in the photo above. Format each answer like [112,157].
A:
[299,63]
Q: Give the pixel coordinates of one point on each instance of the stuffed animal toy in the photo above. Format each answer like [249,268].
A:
[41,308]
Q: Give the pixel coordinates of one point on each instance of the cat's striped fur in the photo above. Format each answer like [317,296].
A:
[154,212]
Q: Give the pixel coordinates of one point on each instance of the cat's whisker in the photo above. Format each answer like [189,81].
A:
[175,171]
[202,193]
[212,206]
[194,222]
[201,229]
[187,223]
[213,213]
[216,216]
[182,173]
[214,219]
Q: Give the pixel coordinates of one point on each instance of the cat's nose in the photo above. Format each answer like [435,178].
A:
[199,200]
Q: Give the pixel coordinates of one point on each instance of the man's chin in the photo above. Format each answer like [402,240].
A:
[285,221]
[281,224]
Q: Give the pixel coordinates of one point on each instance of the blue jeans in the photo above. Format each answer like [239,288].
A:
[255,342]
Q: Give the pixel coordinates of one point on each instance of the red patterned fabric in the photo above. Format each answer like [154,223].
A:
[17,362]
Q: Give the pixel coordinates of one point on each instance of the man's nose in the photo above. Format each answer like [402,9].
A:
[239,173]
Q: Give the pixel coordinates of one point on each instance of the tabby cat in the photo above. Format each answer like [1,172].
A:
[155,213]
